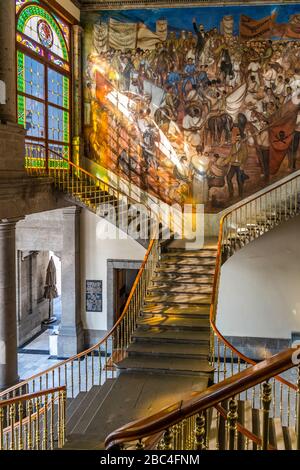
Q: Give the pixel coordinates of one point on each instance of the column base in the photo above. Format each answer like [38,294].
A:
[10,383]
[70,341]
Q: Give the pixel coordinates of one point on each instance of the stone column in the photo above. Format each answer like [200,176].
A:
[71,338]
[8,304]
[12,147]
[8,110]
[78,147]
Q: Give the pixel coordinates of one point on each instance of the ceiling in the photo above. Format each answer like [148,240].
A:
[100,4]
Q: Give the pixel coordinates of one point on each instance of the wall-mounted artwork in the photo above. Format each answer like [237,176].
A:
[194,104]
[93,296]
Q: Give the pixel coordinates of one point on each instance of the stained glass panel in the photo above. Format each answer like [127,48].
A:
[31,76]
[40,26]
[31,115]
[58,89]
[58,124]
[21,3]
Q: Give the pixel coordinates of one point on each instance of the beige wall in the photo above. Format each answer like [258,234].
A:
[94,256]
[70,8]
[260,286]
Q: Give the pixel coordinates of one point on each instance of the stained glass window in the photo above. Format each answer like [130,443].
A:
[43,69]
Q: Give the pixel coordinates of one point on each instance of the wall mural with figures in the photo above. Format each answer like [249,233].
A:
[194,104]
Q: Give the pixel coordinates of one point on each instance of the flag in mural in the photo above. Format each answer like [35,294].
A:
[252,29]
[293,27]
[227,25]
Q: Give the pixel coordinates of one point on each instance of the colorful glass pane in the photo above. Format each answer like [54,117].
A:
[58,89]
[31,115]
[59,62]
[21,3]
[27,43]
[58,124]
[56,151]
[31,76]
[65,29]
[40,26]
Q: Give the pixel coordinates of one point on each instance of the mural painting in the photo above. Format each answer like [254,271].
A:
[194,104]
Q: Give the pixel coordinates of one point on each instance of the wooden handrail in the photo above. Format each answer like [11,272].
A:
[217,276]
[196,402]
[113,329]
[31,396]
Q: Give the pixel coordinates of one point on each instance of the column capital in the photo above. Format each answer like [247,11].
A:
[74,210]
[10,221]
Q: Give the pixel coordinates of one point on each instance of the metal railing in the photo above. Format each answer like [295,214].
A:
[35,421]
[240,226]
[98,363]
[212,419]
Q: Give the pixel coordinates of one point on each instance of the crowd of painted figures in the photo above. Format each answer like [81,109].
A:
[218,97]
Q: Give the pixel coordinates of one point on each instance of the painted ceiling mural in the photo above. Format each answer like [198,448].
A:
[194,104]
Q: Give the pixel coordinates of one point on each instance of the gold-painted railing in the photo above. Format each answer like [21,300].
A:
[35,421]
[211,419]
[97,364]
[240,226]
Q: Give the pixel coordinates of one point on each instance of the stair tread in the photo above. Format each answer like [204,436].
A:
[179,298]
[190,253]
[185,365]
[199,310]
[203,262]
[158,334]
[94,401]
[173,322]
[184,279]
[197,270]
[180,288]
[80,404]
[169,348]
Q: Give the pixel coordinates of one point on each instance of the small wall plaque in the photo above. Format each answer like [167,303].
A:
[93,296]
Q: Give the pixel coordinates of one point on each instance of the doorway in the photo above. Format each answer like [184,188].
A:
[123,283]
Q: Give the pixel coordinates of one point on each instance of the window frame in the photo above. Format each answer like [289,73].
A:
[47,64]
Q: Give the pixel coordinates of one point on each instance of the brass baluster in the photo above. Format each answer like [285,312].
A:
[79,374]
[266,399]
[139,445]
[93,370]
[37,425]
[20,412]
[86,372]
[200,432]
[1,428]
[72,379]
[64,424]
[100,366]
[52,421]
[29,429]
[167,440]
[12,416]
[45,424]
[298,410]
[232,417]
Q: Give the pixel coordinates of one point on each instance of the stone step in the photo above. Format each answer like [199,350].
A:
[164,365]
[175,323]
[186,299]
[205,253]
[92,405]
[159,349]
[80,403]
[156,334]
[162,287]
[173,278]
[167,262]
[178,270]
[201,311]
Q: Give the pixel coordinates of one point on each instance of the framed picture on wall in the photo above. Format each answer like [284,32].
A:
[93,296]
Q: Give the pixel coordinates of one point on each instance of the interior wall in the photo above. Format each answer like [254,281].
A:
[95,254]
[259,289]
[32,307]
[70,8]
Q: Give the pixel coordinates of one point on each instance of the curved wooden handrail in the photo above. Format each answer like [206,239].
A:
[196,402]
[216,281]
[31,396]
[114,328]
